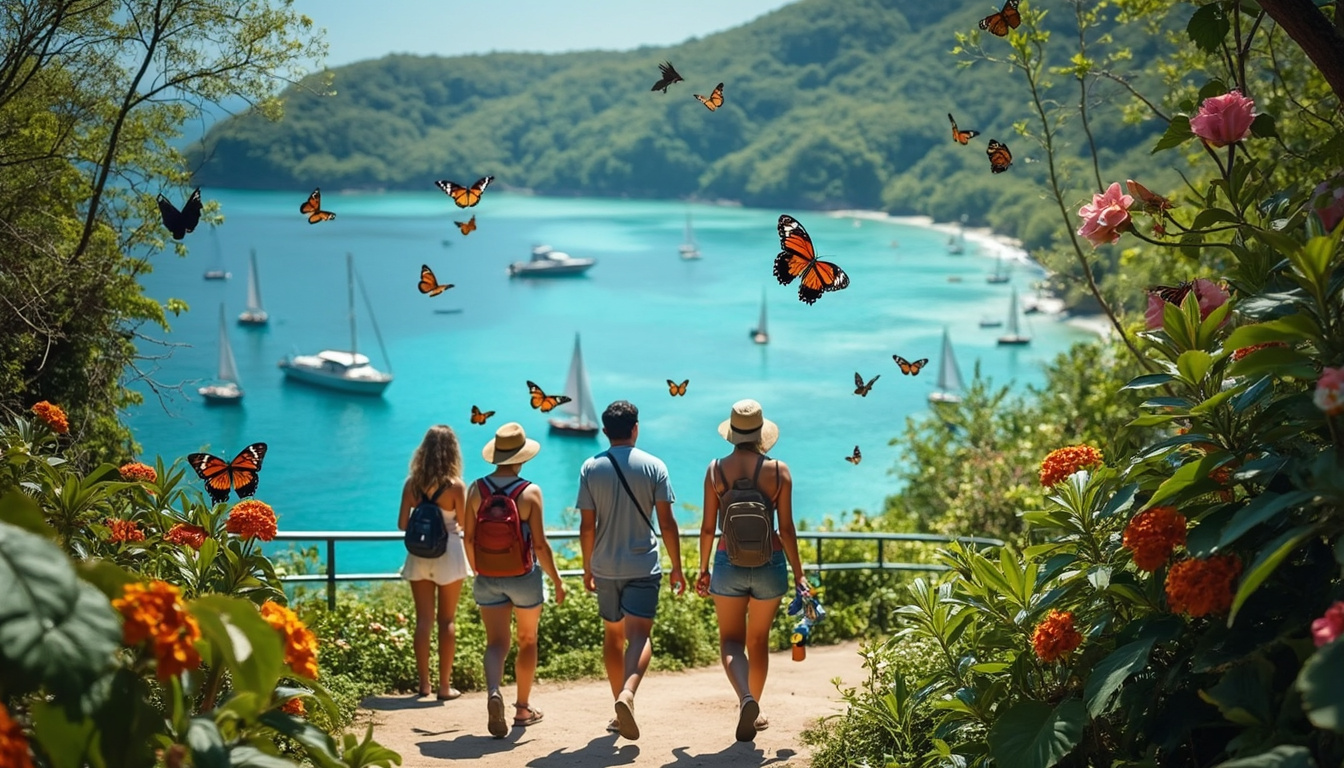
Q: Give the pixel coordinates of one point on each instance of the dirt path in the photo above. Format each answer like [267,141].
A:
[686,719]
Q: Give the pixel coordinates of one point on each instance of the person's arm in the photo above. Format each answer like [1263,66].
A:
[469,525]
[672,540]
[540,545]
[788,535]
[709,522]
[407,504]
[587,538]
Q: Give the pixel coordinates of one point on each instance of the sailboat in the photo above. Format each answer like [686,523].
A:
[347,371]
[949,376]
[956,242]
[759,334]
[689,250]
[1001,275]
[255,314]
[582,414]
[217,271]
[1014,334]
[227,391]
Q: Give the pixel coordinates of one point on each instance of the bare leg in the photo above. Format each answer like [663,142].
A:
[422,592]
[447,621]
[613,655]
[732,615]
[496,619]
[638,652]
[760,615]
[525,663]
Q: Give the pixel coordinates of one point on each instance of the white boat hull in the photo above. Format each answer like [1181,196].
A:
[944,397]
[539,269]
[573,428]
[254,318]
[359,380]
[221,394]
[1014,340]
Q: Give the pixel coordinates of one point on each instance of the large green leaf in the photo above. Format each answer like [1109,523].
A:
[1282,756]
[1191,477]
[361,754]
[1111,672]
[1260,509]
[316,742]
[206,743]
[21,511]
[54,629]
[251,648]
[1244,695]
[65,741]
[1319,683]
[1265,563]
[1176,134]
[244,756]
[1288,329]
[1032,734]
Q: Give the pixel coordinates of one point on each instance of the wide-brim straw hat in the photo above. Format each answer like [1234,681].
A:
[748,424]
[510,445]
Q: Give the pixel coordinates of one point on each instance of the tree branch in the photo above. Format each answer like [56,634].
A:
[1320,39]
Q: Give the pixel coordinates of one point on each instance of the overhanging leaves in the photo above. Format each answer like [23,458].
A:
[1032,734]
[1111,672]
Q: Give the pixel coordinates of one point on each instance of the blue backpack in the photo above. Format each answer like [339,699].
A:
[426,535]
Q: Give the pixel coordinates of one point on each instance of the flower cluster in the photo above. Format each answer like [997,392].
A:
[252,520]
[300,642]
[13,745]
[1329,396]
[1329,627]
[1152,535]
[137,472]
[1055,636]
[124,530]
[1223,477]
[1327,201]
[1244,351]
[1063,462]
[1223,120]
[1106,216]
[1202,587]
[53,416]
[294,707]
[155,612]
[186,534]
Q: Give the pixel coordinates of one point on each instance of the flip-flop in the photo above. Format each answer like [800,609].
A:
[762,723]
[625,716]
[532,719]
[453,693]
[614,726]
[746,720]
[499,728]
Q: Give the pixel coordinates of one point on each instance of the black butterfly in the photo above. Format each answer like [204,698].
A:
[669,77]
[183,221]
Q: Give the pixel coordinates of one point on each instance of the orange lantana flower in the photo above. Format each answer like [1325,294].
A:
[1202,587]
[294,707]
[252,519]
[137,472]
[1063,462]
[155,612]
[13,744]
[53,416]
[300,642]
[124,530]
[1055,636]
[1152,535]
[186,534]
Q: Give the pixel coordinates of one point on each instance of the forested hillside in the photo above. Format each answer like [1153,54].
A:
[828,104]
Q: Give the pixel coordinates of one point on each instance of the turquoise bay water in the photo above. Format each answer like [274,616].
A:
[336,462]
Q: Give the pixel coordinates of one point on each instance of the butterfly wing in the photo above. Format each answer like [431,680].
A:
[245,468]
[172,218]
[468,226]
[796,254]
[1152,202]
[856,457]
[430,284]
[999,156]
[714,100]
[676,389]
[1172,294]
[215,472]
[465,197]
[544,402]
[314,202]
[918,366]
[191,212]
[959,136]
[858,385]
[999,23]
[479,417]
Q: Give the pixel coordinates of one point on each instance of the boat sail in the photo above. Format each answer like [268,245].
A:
[227,391]
[759,334]
[1014,334]
[1001,275]
[689,249]
[339,369]
[949,376]
[255,313]
[956,242]
[216,270]
[582,421]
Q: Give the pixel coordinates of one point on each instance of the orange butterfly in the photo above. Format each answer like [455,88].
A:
[429,284]
[467,226]
[909,368]
[856,458]
[862,389]
[1152,202]
[313,207]
[465,197]
[714,100]
[797,258]
[239,475]
[677,390]
[999,23]
[961,137]
[544,402]
[999,156]
[479,417]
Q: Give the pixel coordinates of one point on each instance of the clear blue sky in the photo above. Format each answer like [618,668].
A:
[368,29]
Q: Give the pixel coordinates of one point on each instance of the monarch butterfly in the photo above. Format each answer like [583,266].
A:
[909,368]
[714,100]
[313,207]
[184,221]
[961,137]
[1152,202]
[429,284]
[798,258]
[999,23]
[677,390]
[669,77]
[1172,294]
[479,417]
[467,226]
[999,156]
[856,458]
[465,197]
[544,402]
[862,389]
[239,475]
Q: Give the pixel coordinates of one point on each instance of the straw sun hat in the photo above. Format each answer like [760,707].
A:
[510,445]
[749,425]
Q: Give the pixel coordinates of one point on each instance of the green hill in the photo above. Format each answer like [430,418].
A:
[828,104]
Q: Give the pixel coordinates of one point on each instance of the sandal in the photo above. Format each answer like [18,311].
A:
[746,720]
[452,693]
[534,716]
[762,723]
[614,726]
[495,706]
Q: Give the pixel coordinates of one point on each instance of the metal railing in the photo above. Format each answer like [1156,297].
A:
[332,576]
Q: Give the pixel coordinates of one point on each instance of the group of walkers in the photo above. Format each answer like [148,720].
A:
[496,530]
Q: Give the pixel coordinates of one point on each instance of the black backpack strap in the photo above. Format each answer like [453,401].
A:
[756,477]
[621,475]
[429,499]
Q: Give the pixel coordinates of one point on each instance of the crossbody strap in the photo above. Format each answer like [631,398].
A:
[621,475]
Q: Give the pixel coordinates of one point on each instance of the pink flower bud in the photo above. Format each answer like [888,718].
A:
[1329,627]
[1223,120]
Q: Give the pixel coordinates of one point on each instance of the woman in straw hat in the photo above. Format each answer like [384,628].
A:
[747,599]
[504,598]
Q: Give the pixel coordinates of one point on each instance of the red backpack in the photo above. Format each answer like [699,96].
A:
[502,542]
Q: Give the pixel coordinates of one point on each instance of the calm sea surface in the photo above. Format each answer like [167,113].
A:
[336,462]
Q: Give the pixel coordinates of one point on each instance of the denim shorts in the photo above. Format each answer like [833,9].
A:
[617,598]
[521,591]
[764,582]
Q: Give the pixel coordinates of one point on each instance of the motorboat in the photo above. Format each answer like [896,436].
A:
[255,314]
[226,390]
[346,371]
[548,262]
[580,411]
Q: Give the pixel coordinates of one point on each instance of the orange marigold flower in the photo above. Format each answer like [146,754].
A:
[300,642]
[53,416]
[186,534]
[1063,462]
[294,707]
[137,472]
[1152,535]
[155,612]
[1055,636]
[1202,587]
[13,744]
[124,530]
[252,519]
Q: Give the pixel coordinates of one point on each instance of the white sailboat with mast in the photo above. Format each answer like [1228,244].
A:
[760,334]
[949,375]
[580,410]
[255,314]
[346,371]
[1014,336]
[226,390]
[1001,275]
[690,250]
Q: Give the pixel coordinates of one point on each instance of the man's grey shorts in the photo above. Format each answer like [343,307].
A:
[617,598]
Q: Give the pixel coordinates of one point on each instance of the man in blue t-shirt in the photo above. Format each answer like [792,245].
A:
[618,489]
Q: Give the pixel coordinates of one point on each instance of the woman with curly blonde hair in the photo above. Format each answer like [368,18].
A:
[436,583]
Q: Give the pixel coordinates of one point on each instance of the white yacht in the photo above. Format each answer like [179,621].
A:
[346,371]
[548,262]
